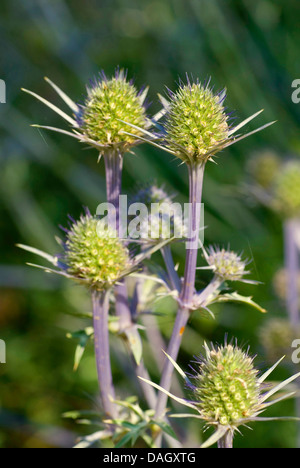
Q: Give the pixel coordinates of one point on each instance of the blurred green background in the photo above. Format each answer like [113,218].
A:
[252,48]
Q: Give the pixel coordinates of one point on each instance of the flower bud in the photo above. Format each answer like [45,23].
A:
[196,123]
[110,103]
[227,265]
[94,254]
[226,386]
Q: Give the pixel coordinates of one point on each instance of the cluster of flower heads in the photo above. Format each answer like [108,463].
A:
[279,182]
[113,118]
[226,265]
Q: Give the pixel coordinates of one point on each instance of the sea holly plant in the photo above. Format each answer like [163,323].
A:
[94,256]
[194,126]
[227,392]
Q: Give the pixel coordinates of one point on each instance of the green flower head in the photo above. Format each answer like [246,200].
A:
[226,386]
[286,193]
[196,123]
[95,255]
[100,120]
[110,103]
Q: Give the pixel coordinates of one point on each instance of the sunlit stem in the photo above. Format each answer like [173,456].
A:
[196,173]
[101,339]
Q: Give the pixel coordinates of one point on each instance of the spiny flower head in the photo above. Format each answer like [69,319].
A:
[286,193]
[110,103]
[100,120]
[226,386]
[94,254]
[226,264]
[196,122]
[264,167]
[227,390]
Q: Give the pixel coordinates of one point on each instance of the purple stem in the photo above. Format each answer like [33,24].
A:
[169,262]
[101,338]
[292,271]
[292,296]
[226,441]
[195,186]
[113,170]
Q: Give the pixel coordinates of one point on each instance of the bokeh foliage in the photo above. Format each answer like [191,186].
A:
[252,48]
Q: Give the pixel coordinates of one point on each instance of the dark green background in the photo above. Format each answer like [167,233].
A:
[252,48]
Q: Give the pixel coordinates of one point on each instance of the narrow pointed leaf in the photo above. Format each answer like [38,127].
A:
[58,130]
[40,253]
[143,96]
[242,124]
[53,107]
[63,95]
[263,377]
[280,386]
[179,400]
[178,368]
[249,134]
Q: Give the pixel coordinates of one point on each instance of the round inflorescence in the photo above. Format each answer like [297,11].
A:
[108,105]
[287,191]
[264,168]
[226,386]
[196,123]
[95,255]
[227,265]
